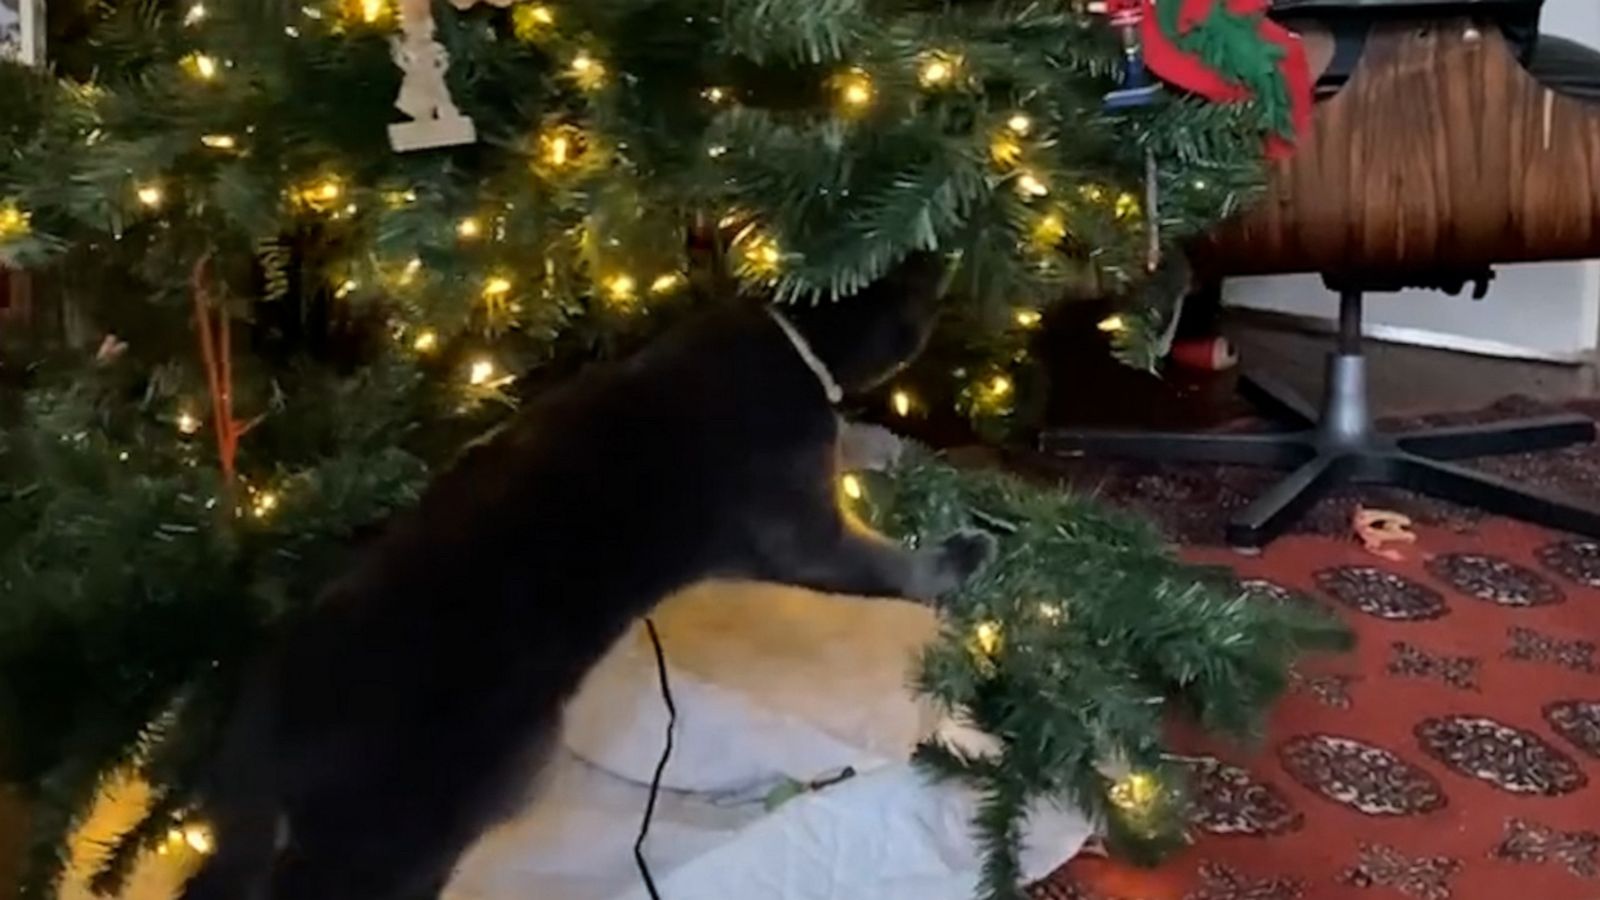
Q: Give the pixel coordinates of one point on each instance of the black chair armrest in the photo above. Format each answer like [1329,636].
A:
[1566,67]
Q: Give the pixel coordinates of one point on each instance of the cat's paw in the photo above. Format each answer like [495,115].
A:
[947,566]
[964,553]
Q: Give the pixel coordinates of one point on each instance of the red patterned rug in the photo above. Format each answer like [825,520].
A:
[1455,755]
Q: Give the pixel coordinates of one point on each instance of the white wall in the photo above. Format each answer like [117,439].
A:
[1545,310]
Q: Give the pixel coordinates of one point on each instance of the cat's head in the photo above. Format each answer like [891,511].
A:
[866,338]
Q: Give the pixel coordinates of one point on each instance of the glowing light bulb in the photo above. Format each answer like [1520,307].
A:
[1112,324]
[150,195]
[999,385]
[481,372]
[588,71]
[852,487]
[261,507]
[346,288]
[1200,184]
[761,254]
[199,838]
[1029,185]
[14,221]
[855,89]
[322,195]
[621,287]
[1049,230]
[716,150]
[195,14]
[559,151]
[496,287]
[988,638]
[1029,318]
[426,341]
[665,284]
[200,66]
[533,21]
[1051,612]
[374,11]
[188,423]
[469,228]
[1005,149]
[937,70]
[1135,792]
[409,272]
[900,402]
[715,94]
[1020,124]
[219,141]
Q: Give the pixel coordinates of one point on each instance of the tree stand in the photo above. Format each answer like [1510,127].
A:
[1342,446]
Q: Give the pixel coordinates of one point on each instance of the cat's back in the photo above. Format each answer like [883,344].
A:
[591,474]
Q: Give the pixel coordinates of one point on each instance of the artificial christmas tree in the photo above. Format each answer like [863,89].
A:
[281,324]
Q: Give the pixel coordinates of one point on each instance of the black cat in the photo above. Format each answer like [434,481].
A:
[396,724]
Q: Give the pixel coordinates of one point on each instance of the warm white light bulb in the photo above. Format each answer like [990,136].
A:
[199,839]
[201,66]
[1030,185]
[481,372]
[935,72]
[988,637]
[265,502]
[621,287]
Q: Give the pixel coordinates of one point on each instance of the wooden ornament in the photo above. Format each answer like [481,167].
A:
[424,93]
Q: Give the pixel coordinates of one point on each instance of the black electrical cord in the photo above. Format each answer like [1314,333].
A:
[661,766]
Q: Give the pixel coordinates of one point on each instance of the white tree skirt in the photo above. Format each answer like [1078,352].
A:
[884,835]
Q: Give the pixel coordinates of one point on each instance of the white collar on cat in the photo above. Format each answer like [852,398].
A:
[808,356]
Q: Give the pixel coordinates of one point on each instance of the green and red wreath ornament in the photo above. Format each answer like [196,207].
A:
[1227,51]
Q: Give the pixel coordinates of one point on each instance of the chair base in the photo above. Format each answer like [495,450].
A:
[1340,446]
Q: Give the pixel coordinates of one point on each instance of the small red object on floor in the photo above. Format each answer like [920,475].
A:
[1209,354]
[1454,755]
